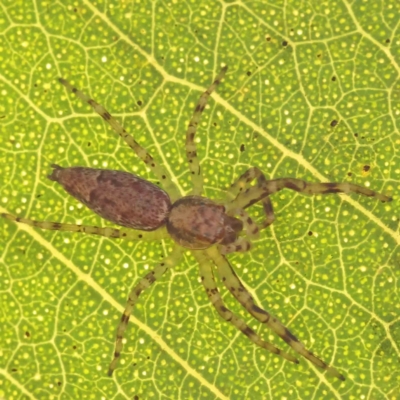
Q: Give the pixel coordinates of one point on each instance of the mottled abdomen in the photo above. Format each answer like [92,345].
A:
[196,222]
[117,196]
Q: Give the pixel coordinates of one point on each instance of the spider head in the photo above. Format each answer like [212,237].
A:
[196,222]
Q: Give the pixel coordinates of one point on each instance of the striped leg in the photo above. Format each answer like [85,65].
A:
[191,152]
[242,244]
[130,234]
[244,181]
[251,229]
[239,188]
[257,193]
[233,284]
[140,151]
[143,284]
[207,279]
[269,213]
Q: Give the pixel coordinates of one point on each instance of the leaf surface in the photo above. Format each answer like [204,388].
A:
[312,92]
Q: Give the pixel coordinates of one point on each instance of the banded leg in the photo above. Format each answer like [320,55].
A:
[242,184]
[207,279]
[191,152]
[143,284]
[242,244]
[255,194]
[130,234]
[140,151]
[269,213]
[235,286]
[251,229]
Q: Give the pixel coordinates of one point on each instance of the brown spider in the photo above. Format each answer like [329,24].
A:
[210,229]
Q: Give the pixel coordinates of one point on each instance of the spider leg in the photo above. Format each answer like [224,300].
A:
[140,151]
[269,213]
[242,244]
[235,286]
[130,234]
[191,153]
[243,183]
[257,193]
[251,229]
[207,279]
[143,284]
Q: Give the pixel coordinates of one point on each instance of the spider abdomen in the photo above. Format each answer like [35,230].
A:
[196,222]
[118,196]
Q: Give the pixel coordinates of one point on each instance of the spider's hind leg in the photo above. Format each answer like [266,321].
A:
[140,151]
[108,232]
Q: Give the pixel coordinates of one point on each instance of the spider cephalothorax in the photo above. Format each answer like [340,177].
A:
[208,228]
[196,222]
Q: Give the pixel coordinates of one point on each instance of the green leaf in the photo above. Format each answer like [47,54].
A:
[312,92]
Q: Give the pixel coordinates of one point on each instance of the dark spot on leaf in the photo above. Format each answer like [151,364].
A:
[242,148]
[366,168]
[310,233]
[333,78]
[349,174]
[139,102]
[284,43]
[248,73]
[334,123]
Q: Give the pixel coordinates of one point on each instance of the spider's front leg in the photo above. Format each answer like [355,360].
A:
[207,279]
[248,195]
[242,244]
[143,284]
[235,286]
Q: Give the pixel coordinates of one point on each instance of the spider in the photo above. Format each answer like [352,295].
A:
[210,229]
